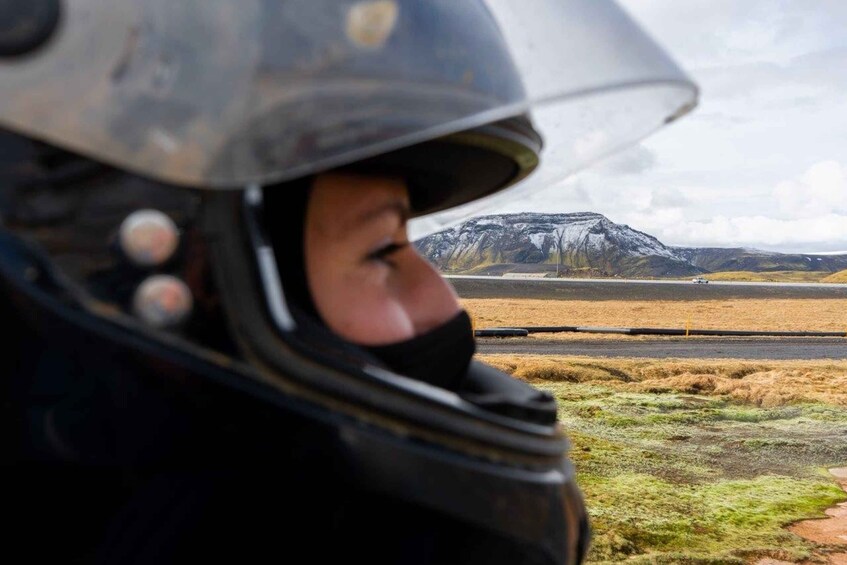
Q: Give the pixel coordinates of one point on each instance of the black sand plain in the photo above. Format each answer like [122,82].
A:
[595,290]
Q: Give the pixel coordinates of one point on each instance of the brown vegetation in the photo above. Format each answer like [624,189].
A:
[742,314]
[769,276]
[839,277]
[768,383]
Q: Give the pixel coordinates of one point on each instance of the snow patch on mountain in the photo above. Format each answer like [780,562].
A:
[589,243]
[574,241]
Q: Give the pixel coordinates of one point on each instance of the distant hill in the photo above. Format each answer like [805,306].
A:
[717,259]
[589,244]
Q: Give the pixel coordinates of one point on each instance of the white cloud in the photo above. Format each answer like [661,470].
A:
[821,233]
[704,33]
[772,74]
[813,217]
[820,190]
[808,77]
[653,222]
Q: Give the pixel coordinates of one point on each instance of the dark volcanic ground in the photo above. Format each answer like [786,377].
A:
[719,348]
[593,290]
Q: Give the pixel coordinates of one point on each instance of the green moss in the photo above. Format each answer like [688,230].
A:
[641,514]
[678,478]
[770,443]
[747,414]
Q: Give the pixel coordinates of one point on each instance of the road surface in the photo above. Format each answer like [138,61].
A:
[693,348]
[554,280]
[615,289]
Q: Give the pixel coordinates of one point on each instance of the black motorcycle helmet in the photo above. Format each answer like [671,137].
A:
[165,403]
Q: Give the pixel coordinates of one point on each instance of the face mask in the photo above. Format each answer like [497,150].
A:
[439,357]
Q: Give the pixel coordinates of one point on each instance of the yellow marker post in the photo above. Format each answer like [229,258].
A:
[688,326]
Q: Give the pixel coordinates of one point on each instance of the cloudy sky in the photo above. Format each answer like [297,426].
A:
[762,162]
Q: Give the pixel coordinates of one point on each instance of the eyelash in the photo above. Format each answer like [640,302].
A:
[383,253]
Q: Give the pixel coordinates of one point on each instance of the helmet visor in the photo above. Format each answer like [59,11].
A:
[222,93]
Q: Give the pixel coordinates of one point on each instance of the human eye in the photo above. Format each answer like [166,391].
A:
[384,253]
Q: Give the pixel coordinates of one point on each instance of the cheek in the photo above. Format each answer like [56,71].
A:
[361,307]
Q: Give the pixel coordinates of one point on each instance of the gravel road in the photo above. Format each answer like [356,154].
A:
[730,348]
[569,289]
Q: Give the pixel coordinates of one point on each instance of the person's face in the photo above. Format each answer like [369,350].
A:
[368,283]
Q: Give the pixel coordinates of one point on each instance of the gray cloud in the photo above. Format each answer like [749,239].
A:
[635,160]
[669,198]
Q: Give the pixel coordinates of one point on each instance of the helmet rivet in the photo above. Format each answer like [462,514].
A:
[162,301]
[370,22]
[148,237]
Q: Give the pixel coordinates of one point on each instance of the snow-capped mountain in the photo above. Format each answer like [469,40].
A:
[530,242]
[590,244]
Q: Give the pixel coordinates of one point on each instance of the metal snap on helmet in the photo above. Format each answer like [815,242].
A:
[167,404]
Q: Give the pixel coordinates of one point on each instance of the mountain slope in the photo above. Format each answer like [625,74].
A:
[576,242]
[589,244]
[716,259]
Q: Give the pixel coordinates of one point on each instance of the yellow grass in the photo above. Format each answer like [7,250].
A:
[772,276]
[839,277]
[738,314]
[762,383]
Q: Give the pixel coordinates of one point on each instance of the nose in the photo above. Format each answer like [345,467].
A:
[427,297]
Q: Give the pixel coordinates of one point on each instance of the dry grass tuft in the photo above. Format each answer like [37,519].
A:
[766,384]
[767,389]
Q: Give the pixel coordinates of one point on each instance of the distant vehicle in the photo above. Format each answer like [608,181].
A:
[700,280]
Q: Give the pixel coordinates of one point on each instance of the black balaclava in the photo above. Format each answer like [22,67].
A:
[439,357]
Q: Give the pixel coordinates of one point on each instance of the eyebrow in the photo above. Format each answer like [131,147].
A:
[397,205]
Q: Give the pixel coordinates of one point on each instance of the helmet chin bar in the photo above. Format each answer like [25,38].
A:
[265,259]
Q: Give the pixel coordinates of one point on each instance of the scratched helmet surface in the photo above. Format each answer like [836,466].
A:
[219,94]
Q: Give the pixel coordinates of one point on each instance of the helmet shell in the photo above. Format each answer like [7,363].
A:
[223,93]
